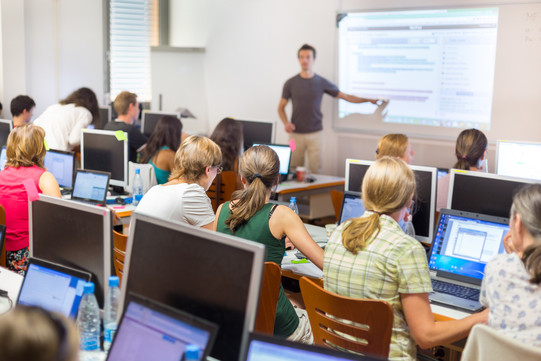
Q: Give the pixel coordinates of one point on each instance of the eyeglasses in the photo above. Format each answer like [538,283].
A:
[219,169]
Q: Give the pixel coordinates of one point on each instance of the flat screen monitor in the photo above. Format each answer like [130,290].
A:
[518,159]
[256,132]
[150,119]
[102,150]
[61,164]
[284,155]
[207,274]
[5,128]
[355,171]
[105,117]
[483,193]
[73,234]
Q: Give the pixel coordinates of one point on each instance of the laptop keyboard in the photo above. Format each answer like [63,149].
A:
[456,290]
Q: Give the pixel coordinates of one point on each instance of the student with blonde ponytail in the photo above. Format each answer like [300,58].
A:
[512,284]
[371,257]
[249,215]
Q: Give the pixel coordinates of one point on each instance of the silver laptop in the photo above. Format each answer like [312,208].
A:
[352,206]
[463,244]
[90,186]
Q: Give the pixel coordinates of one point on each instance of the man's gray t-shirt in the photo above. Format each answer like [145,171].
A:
[306,95]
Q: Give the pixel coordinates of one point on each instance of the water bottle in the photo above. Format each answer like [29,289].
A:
[137,187]
[293,205]
[191,353]
[88,323]
[110,313]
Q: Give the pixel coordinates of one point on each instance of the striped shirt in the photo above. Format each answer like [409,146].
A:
[390,264]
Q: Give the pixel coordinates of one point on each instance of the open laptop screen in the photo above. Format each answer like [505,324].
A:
[284,154]
[352,206]
[465,242]
[60,164]
[90,186]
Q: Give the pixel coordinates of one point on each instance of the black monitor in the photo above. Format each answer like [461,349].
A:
[5,128]
[150,119]
[210,275]
[106,151]
[355,171]
[74,234]
[256,132]
[62,165]
[484,193]
[105,117]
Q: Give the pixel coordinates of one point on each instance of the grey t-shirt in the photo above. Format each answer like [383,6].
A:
[306,95]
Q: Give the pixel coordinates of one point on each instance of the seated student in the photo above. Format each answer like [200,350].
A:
[228,136]
[370,257]
[512,283]
[127,108]
[32,333]
[470,151]
[183,198]
[161,147]
[249,215]
[395,145]
[25,152]
[22,109]
[64,121]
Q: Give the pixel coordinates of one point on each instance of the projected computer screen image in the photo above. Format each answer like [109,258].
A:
[435,66]
[256,132]
[5,129]
[518,159]
[60,164]
[206,274]
[150,119]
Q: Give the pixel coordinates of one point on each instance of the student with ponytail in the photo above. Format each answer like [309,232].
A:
[249,215]
[512,284]
[371,257]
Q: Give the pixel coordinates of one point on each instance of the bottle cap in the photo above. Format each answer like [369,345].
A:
[89,288]
[137,170]
[113,281]
[192,352]
[293,199]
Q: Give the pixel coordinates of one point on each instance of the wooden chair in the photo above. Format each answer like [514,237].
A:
[336,198]
[222,188]
[3,222]
[119,253]
[268,299]
[370,322]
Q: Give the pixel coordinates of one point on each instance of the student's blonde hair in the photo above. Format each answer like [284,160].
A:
[122,102]
[25,146]
[388,186]
[392,145]
[260,166]
[193,157]
[31,333]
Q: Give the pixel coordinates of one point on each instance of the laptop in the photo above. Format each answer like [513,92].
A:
[90,186]
[150,330]
[3,157]
[53,287]
[463,244]
[267,348]
[284,155]
[61,164]
[2,235]
[352,206]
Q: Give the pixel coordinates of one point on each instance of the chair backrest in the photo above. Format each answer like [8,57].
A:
[119,253]
[487,344]
[268,298]
[336,198]
[222,188]
[3,248]
[358,325]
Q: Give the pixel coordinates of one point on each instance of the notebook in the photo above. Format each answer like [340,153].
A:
[53,287]
[266,348]
[61,164]
[352,206]
[463,244]
[3,157]
[150,330]
[90,186]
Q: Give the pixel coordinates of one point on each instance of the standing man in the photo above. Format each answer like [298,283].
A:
[306,90]
[22,109]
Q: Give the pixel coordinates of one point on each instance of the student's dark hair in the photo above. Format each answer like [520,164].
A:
[260,166]
[167,133]
[470,147]
[527,203]
[86,98]
[228,136]
[21,103]
[307,47]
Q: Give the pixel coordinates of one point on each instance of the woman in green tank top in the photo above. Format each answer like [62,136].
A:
[250,216]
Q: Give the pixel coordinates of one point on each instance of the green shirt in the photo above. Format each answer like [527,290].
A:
[257,229]
[390,264]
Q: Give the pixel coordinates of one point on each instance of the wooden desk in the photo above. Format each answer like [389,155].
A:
[313,199]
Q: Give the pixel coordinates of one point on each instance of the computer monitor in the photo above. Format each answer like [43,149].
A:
[518,159]
[105,117]
[355,171]
[3,157]
[73,234]
[150,119]
[6,126]
[284,155]
[210,275]
[256,132]
[483,193]
[61,164]
[102,150]
[352,206]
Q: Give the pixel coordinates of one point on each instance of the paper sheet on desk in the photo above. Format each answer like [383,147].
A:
[304,269]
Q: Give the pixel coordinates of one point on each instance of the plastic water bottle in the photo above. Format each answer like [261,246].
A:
[191,353]
[110,313]
[293,205]
[137,187]
[88,323]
